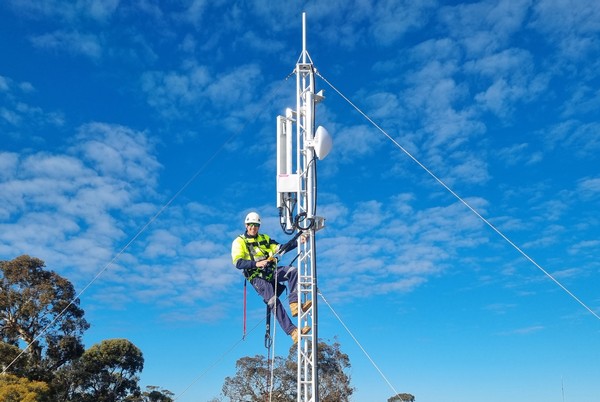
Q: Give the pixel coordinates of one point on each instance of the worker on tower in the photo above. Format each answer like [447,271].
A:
[254,253]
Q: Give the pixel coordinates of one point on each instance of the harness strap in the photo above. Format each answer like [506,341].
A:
[262,273]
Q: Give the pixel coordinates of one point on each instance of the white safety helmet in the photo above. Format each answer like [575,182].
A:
[252,217]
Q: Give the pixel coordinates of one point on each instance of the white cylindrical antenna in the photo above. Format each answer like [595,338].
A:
[281,147]
[289,146]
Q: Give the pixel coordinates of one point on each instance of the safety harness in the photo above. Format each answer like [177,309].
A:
[267,272]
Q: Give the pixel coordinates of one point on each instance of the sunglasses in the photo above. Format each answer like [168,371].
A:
[254,225]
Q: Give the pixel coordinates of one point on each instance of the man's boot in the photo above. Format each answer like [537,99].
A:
[294,307]
[294,333]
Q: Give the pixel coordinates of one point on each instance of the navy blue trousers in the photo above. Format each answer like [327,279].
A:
[267,291]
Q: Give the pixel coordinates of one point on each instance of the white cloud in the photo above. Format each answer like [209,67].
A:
[162,243]
[348,24]
[500,308]
[356,142]
[118,151]
[589,187]
[518,154]
[579,137]
[8,164]
[561,18]
[468,169]
[392,19]
[484,27]
[99,10]
[566,273]
[587,247]
[384,105]
[584,99]
[526,330]
[195,10]
[4,83]
[224,97]
[571,28]
[93,29]
[65,208]
[444,50]
[234,87]
[502,64]
[73,42]
[505,79]
[17,113]
[394,246]
[10,117]
[370,214]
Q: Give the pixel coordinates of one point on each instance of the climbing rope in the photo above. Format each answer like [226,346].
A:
[271,356]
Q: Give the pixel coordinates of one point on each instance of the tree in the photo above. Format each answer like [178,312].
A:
[38,307]
[10,354]
[251,381]
[332,363]
[334,382]
[155,394]
[18,389]
[107,372]
[402,398]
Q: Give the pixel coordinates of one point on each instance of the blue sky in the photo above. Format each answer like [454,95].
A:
[137,135]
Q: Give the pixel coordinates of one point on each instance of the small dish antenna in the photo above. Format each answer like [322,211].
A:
[322,142]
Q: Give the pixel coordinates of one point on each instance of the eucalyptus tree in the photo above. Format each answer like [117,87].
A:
[41,348]
[39,312]
[253,381]
[106,372]
[20,389]
[402,398]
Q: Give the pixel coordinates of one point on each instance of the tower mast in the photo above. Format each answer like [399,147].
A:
[296,201]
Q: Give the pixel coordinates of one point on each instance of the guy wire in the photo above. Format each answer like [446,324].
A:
[357,342]
[459,198]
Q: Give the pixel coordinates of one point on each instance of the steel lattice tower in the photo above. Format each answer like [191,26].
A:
[296,201]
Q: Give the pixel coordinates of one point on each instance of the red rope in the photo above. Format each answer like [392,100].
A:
[244,336]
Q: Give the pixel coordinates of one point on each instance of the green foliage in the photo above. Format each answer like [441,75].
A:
[251,381]
[155,394]
[334,383]
[38,308]
[402,398]
[18,389]
[106,372]
[12,354]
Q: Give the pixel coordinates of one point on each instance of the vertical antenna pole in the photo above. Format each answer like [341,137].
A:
[303,38]
[297,203]
[307,387]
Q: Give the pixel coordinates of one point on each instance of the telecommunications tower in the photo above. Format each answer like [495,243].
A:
[297,202]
